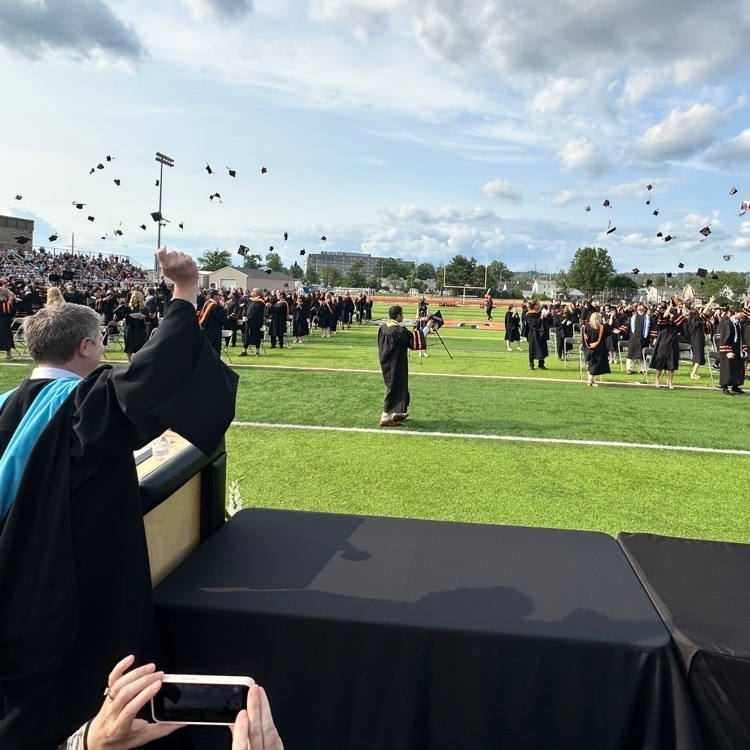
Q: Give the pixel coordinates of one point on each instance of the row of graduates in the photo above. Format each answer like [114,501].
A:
[250,314]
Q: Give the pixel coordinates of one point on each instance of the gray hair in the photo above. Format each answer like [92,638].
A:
[54,333]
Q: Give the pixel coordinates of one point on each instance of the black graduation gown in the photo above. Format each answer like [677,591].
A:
[135,330]
[596,349]
[393,342]
[7,313]
[213,320]
[731,337]
[536,335]
[512,326]
[666,347]
[326,315]
[347,310]
[255,312]
[695,331]
[300,313]
[74,572]
[278,314]
[639,340]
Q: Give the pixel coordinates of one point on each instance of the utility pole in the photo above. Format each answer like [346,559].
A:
[162,159]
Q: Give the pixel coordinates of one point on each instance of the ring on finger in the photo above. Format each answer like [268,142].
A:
[108,693]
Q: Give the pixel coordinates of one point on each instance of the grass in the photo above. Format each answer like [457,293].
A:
[552,484]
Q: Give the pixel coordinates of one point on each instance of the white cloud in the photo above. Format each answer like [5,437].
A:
[582,154]
[682,134]
[564,198]
[224,9]
[502,190]
[733,152]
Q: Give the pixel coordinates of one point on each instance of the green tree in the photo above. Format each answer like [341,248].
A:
[213,260]
[388,267]
[274,262]
[563,284]
[713,287]
[420,286]
[591,269]
[312,276]
[622,281]
[295,270]
[497,271]
[460,271]
[252,261]
[355,276]
[331,276]
[372,282]
[439,280]
[425,271]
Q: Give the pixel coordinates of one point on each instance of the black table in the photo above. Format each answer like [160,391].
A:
[702,591]
[392,633]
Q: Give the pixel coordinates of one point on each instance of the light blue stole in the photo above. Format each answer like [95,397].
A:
[13,461]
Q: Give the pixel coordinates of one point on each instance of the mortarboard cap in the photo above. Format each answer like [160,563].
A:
[286,236]
[19,197]
[92,170]
[669,275]
[323,238]
[606,203]
[208,169]
[727,257]
[649,187]
[733,191]
[648,202]
[714,276]
[588,208]
[118,232]
[656,212]
[21,240]
[647,282]
[78,205]
[181,225]
[52,238]
[705,231]
[611,229]
[157,183]
[232,172]
[109,158]
[668,238]
[702,272]
[270,248]
[215,195]
[263,170]
[268,270]
[143,226]
[302,252]
[90,218]
[100,166]
[68,275]
[634,271]
[156,216]
[243,250]
[680,265]
[117,182]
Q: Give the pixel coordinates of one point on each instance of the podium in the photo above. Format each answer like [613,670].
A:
[183,502]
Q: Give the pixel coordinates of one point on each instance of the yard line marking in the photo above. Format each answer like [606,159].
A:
[417,373]
[506,438]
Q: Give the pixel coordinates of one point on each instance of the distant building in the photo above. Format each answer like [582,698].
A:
[343,261]
[10,228]
[247,278]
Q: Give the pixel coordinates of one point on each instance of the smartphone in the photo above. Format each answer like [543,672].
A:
[200,699]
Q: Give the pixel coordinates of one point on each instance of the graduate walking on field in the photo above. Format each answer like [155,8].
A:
[536,332]
[732,353]
[595,334]
[394,342]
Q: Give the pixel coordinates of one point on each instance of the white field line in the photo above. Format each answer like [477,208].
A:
[506,438]
[417,373]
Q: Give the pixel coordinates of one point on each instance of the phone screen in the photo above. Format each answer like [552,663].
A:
[199,703]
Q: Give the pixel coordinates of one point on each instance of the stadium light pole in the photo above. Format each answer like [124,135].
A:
[162,159]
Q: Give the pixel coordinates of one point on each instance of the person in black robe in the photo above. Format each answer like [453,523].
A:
[135,332]
[536,334]
[564,331]
[213,319]
[512,327]
[595,334]
[254,313]
[7,314]
[488,304]
[233,315]
[695,332]
[394,342]
[368,308]
[300,316]
[641,333]
[75,582]
[732,353]
[347,310]
[666,347]
[278,312]
[326,316]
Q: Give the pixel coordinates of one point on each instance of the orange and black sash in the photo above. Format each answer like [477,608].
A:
[6,308]
[206,311]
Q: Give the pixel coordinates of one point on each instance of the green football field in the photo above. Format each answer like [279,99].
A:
[488,440]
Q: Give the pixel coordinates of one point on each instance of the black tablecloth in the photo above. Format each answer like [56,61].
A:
[702,591]
[391,633]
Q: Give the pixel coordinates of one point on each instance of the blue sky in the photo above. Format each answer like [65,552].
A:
[412,128]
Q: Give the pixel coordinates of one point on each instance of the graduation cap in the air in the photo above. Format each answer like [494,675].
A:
[78,205]
[634,271]
[268,270]
[705,231]
[270,248]
[659,234]
[156,216]
[181,225]
[588,208]
[656,212]
[208,169]
[263,170]
[727,257]
[302,252]
[215,195]
[52,238]
[669,275]
[19,197]
[118,232]
[90,218]
[100,166]
[117,182]
[104,236]
[680,265]
[702,272]
[232,172]
[669,238]
[92,170]
[323,238]
[610,228]
[286,283]
[437,317]
[714,276]
[733,191]
[157,183]
[143,226]
[647,282]
[649,187]
[21,240]
[286,236]
[243,250]
[109,158]
[744,206]
[606,203]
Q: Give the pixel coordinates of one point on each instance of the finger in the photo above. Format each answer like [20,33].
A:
[240,739]
[130,700]
[157,731]
[255,734]
[266,718]
[130,677]
[161,255]
[119,670]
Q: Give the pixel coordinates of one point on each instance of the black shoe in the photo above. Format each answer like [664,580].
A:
[736,389]
[242,354]
[726,392]
[531,367]
[542,367]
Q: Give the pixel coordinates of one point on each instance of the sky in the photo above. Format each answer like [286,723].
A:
[417,129]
